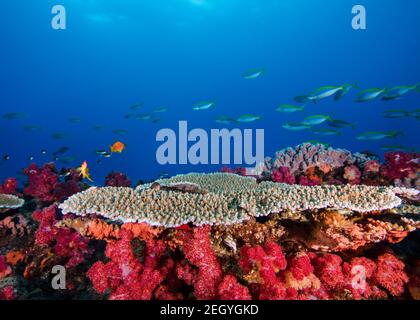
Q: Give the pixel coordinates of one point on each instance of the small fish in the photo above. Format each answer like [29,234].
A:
[66,160]
[74,120]
[156,120]
[101,152]
[6,157]
[315,142]
[289,108]
[31,128]
[305,99]
[129,116]
[392,97]
[56,158]
[326,132]
[225,120]
[316,119]
[59,135]
[84,171]
[396,148]
[378,135]
[43,151]
[341,124]
[345,89]
[143,116]
[31,158]
[203,105]
[120,131]
[400,91]
[325,92]
[295,126]
[98,127]
[370,94]
[117,147]
[253,74]
[396,114]
[14,115]
[106,155]
[65,173]
[62,150]
[246,118]
[136,106]
[160,109]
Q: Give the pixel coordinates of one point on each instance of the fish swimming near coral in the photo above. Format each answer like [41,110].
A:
[83,170]
[288,108]
[117,147]
[13,115]
[396,114]
[370,94]
[326,132]
[247,118]
[120,132]
[335,123]
[160,109]
[253,74]
[295,126]
[377,135]
[136,106]
[316,119]
[203,105]
[225,120]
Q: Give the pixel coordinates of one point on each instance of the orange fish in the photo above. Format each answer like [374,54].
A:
[84,171]
[117,147]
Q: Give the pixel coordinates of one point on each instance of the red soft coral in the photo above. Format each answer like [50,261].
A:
[41,182]
[9,186]
[231,289]
[117,179]
[7,293]
[390,274]
[283,175]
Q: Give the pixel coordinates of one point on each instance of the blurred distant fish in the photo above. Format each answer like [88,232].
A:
[120,131]
[305,99]
[6,157]
[397,148]
[136,106]
[31,128]
[246,118]
[160,109]
[326,132]
[62,150]
[295,126]
[74,120]
[315,142]
[101,152]
[13,115]
[163,175]
[335,123]
[225,120]
[129,116]
[66,160]
[370,94]
[59,135]
[396,114]
[31,158]
[143,116]
[289,108]
[253,74]
[316,119]
[43,152]
[378,135]
[203,105]
[156,120]
[98,127]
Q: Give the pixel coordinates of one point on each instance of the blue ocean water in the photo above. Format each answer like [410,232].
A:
[174,53]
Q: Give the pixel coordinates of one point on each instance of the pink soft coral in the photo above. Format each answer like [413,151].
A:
[283,175]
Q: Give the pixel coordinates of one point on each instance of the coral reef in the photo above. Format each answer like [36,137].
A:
[348,230]
[227,199]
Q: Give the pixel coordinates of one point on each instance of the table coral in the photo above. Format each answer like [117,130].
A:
[9,201]
[228,199]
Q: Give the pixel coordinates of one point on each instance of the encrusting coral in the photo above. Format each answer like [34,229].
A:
[223,198]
